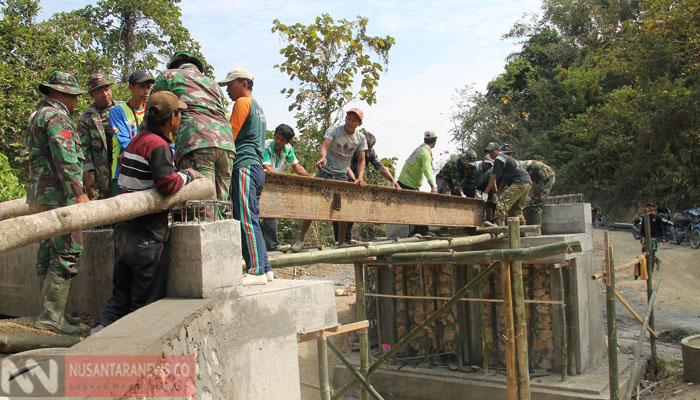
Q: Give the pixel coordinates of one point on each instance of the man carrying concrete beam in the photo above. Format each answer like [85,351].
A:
[418,164]
[513,185]
[339,144]
[56,180]
[248,177]
[457,176]
[484,169]
[140,268]
[278,154]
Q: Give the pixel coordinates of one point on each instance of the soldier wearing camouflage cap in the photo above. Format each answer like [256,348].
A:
[204,140]
[96,135]
[457,176]
[56,180]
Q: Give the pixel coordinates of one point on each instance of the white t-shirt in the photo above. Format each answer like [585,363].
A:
[342,148]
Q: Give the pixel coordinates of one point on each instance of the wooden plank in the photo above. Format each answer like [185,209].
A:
[300,197]
[326,332]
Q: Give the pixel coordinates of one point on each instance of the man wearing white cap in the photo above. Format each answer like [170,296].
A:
[248,176]
[419,164]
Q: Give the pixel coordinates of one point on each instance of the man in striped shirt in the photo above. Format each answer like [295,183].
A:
[139,276]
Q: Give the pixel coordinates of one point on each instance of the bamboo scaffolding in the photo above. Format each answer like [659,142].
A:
[350,253]
[562,315]
[362,333]
[613,376]
[379,313]
[650,269]
[485,256]
[622,267]
[516,271]
[418,329]
[323,382]
[509,337]
[465,299]
[636,315]
[640,339]
[494,311]
[572,336]
[357,375]
[504,229]
[482,315]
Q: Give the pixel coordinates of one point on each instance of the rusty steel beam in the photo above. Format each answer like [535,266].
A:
[299,197]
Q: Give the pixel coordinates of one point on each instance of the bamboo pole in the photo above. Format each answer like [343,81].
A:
[494,311]
[14,208]
[650,268]
[562,315]
[362,333]
[323,383]
[357,375]
[509,337]
[404,291]
[462,346]
[465,299]
[573,338]
[504,229]
[378,305]
[482,316]
[10,343]
[622,267]
[394,323]
[418,329]
[484,256]
[335,255]
[426,334]
[21,231]
[612,321]
[640,339]
[636,315]
[519,312]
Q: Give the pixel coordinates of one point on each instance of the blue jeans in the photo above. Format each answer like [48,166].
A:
[246,187]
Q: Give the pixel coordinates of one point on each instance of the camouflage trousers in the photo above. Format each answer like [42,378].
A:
[59,255]
[512,201]
[214,164]
[539,193]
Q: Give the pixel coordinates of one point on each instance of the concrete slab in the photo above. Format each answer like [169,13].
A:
[204,257]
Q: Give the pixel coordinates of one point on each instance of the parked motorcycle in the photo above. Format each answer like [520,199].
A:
[695,237]
[598,218]
[683,224]
[665,214]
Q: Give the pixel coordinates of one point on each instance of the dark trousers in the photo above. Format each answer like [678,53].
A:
[140,273]
[348,231]
[417,229]
[269,231]
[246,187]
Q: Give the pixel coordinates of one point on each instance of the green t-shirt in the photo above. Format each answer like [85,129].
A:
[279,164]
[419,163]
[250,138]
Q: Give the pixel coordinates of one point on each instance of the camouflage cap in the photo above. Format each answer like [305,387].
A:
[96,81]
[469,156]
[184,55]
[63,82]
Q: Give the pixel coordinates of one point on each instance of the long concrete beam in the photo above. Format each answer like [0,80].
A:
[299,197]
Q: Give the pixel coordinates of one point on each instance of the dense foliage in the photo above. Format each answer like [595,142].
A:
[606,92]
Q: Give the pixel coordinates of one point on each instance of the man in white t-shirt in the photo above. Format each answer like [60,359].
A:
[277,155]
[339,144]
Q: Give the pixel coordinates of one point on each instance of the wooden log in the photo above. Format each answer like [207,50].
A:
[613,374]
[650,269]
[10,343]
[21,231]
[519,312]
[14,208]
[485,256]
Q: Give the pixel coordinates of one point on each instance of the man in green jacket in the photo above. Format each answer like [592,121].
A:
[96,133]
[419,164]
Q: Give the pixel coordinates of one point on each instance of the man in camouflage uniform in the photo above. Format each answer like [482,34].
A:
[96,133]
[56,180]
[458,176]
[204,141]
[542,176]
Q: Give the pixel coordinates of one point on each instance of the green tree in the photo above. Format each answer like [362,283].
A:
[10,188]
[325,57]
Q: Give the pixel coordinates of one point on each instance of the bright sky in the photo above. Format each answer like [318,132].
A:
[440,46]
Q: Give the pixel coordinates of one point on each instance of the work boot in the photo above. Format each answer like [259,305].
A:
[40,279]
[54,294]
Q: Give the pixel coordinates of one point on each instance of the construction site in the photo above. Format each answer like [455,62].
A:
[477,312]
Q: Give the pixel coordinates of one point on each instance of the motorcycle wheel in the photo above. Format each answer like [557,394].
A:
[600,220]
[677,237]
[635,231]
[695,238]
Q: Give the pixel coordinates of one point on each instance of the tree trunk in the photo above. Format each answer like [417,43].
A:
[21,231]
[14,208]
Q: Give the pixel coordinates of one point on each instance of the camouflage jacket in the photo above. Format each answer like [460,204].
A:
[55,157]
[96,145]
[204,123]
[454,173]
[538,171]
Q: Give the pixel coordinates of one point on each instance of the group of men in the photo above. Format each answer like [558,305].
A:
[174,130]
